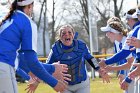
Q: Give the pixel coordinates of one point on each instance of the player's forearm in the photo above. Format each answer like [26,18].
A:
[23,74]
[49,67]
[118,57]
[38,69]
[124,66]
[93,62]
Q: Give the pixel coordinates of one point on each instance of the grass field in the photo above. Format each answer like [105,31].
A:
[96,87]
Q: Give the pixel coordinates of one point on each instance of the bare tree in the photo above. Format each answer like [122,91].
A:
[105,14]
[117,9]
[137,2]
[43,15]
[56,17]
[84,6]
[45,27]
[104,8]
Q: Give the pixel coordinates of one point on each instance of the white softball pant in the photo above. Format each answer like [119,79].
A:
[8,82]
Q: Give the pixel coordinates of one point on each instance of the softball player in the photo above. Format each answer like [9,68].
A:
[73,52]
[19,30]
[115,32]
[134,24]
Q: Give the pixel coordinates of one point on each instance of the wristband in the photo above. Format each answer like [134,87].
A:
[137,60]
[95,63]
[128,80]
[97,68]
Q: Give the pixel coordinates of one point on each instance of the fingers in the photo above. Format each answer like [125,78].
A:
[61,68]
[64,68]
[61,86]
[124,85]
[64,65]
[136,64]
[67,77]
[134,73]
[105,76]
[133,42]
[108,68]
[102,64]
[65,82]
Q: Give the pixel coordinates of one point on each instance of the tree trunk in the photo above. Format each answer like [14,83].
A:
[44,30]
[53,25]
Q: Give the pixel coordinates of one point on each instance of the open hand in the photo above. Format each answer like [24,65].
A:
[61,72]
[104,75]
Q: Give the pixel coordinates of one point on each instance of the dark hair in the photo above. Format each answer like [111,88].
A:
[13,7]
[131,12]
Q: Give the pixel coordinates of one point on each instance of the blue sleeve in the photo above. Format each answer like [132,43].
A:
[51,58]
[49,68]
[22,64]
[37,68]
[87,54]
[118,57]
[23,74]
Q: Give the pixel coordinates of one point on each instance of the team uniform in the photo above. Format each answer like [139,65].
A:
[138,60]
[125,51]
[118,47]
[74,56]
[23,69]
[18,31]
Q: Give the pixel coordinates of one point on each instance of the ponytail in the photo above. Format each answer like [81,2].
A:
[119,27]
[12,9]
[125,32]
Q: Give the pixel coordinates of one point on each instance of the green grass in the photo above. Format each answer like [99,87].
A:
[96,86]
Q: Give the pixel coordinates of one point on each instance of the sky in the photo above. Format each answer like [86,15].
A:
[128,4]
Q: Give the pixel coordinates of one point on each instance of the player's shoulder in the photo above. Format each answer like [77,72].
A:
[80,41]
[81,44]
[56,45]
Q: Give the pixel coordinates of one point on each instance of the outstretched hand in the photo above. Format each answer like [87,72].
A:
[133,41]
[102,63]
[33,83]
[124,85]
[121,78]
[104,75]
[109,68]
[32,86]
[61,72]
[136,72]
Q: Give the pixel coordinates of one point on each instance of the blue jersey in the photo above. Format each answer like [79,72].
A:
[74,56]
[15,32]
[118,47]
[138,49]
[23,68]
[125,51]
[21,31]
